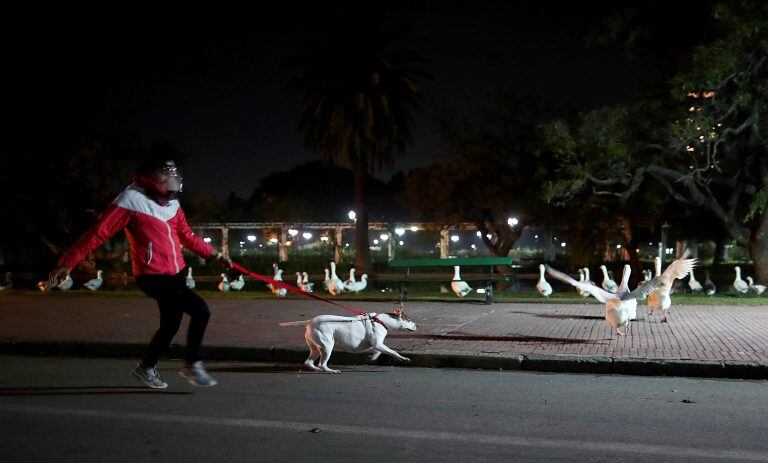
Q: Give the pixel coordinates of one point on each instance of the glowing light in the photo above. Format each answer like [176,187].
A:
[351,215]
[690,148]
[399,231]
[473,246]
[384,237]
[375,241]
[324,238]
[455,238]
[692,108]
[288,243]
[346,245]
[536,236]
[306,235]
[242,243]
[273,240]
[251,238]
[293,232]
[512,221]
[413,229]
[207,240]
[401,242]
[618,246]
[479,234]
[489,236]
[562,245]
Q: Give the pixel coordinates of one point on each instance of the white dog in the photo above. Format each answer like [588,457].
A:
[364,333]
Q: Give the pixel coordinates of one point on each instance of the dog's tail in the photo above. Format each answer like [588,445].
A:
[297,323]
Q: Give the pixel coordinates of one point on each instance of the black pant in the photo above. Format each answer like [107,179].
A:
[174,299]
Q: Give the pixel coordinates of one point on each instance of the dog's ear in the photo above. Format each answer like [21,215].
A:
[399,311]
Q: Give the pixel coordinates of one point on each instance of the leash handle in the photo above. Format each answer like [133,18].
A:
[294,289]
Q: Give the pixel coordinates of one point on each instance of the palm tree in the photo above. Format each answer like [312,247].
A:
[359,99]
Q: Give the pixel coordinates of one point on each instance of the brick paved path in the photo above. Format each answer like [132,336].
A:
[694,332]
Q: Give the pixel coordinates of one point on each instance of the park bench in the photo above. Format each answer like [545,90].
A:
[489,262]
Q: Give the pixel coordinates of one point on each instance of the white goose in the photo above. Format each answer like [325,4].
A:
[190,280]
[619,306]
[238,284]
[655,298]
[336,286]
[306,285]
[66,283]
[694,284]
[709,287]
[95,283]
[543,287]
[8,282]
[581,292]
[758,289]
[276,290]
[351,280]
[586,277]
[327,281]
[739,285]
[224,283]
[608,284]
[461,288]
[299,281]
[358,286]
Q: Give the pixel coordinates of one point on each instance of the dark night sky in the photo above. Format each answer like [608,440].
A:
[212,84]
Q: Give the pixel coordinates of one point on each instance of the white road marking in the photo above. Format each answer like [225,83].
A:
[473,438]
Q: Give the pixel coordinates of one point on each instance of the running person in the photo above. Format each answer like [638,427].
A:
[156,229]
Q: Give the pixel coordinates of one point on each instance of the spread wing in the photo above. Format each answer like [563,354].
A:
[599,293]
[643,290]
[677,269]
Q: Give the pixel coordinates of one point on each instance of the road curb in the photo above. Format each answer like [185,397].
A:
[733,369]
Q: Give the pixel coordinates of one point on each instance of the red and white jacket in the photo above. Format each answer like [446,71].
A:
[155,232]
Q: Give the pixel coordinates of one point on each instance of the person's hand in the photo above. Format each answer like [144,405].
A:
[222,260]
[54,278]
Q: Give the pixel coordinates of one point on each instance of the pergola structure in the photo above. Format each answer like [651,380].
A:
[338,228]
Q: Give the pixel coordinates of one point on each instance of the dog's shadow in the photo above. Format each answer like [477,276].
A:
[84,390]
[480,337]
[558,316]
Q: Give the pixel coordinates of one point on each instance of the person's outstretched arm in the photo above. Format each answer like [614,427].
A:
[194,243]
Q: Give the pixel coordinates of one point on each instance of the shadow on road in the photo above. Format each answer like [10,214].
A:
[273,369]
[85,390]
[560,317]
[480,337]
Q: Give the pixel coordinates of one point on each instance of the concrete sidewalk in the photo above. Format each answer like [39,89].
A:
[706,341]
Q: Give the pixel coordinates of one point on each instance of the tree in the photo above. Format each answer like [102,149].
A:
[707,145]
[359,97]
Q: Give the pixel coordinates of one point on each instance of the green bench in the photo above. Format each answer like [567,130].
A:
[490,262]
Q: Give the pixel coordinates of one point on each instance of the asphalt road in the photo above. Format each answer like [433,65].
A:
[66,409]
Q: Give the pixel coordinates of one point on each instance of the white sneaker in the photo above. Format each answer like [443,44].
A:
[149,377]
[196,375]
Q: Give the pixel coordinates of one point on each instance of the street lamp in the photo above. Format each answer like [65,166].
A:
[251,238]
[414,228]
[399,231]
[207,239]
[293,232]
[384,237]
[455,238]
[352,215]
[512,221]
[307,235]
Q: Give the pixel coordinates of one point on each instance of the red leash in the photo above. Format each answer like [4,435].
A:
[294,289]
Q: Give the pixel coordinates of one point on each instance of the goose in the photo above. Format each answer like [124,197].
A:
[306,285]
[299,281]
[8,282]
[358,286]
[739,285]
[336,286]
[623,288]
[190,279]
[709,288]
[608,284]
[276,290]
[66,283]
[646,278]
[351,280]
[581,292]
[224,283]
[238,284]
[95,283]
[461,288]
[327,281]
[758,289]
[660,296]
[694,284]
[543,288]
[655,298]
[619,306]
[586,277]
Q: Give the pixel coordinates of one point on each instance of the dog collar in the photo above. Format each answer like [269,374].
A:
[375,318]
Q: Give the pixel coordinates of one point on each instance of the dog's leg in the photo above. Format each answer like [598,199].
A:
[386,350]
[325,354]
[314,354]
[374,356]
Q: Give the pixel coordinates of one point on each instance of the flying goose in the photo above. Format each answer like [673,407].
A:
[460,287]
[618,307]
[543,288]
[608,284]
[95,283]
